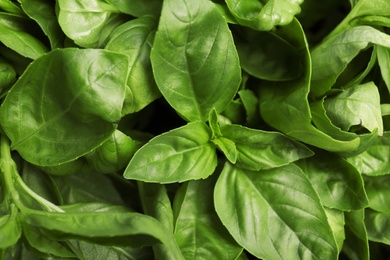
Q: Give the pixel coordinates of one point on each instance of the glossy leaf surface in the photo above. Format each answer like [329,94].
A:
[288,226]
[182,154]
[51,115]
[191,50]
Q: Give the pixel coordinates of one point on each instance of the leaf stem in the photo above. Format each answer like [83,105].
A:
[12,177]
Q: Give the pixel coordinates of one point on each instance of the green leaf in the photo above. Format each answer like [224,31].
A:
[7,75]
[264,17]
[338,184]
[274,214]
[356,242]
[198,230]
[266,56]
[257,149]
[190,53]
[135,39]
[331,57]
[251,104]
[40,242]
[43,12]
[86,250]
[16,35]
[182,154]
[53,118]
[280,102]
[156,203]
[378,192]
[375,160]
[336,221]
[384,64]
[358,105]
[138,7]
[114,154]
[377,224]
[88,22]
[10,228]
[107,227]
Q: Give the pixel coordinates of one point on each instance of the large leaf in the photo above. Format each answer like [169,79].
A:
[135,39]
[194,59]
[358,105]
[198,230]
[257,149]
[16,32]
[274,214]
[182,154]
[338,184]
[10,228]
[331,57]
[56,117]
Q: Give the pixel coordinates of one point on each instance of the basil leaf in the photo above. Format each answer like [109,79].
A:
[338,184]
[332,56]
[10,228]
[357,105]
[43,12]
[38,241]
[377,224]
[182,154]
[135,38]
[88,23]
[267,226]
[266,56]
[190,53]
[114,154]
[257,149]
[264,17]
[16,35]
[375,160]
[336,222]
[198,231]
[66,118]
[356,242]
[377,189]
[138,7]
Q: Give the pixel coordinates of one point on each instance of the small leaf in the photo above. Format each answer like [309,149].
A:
[358,105]
[190,53]
[114,154]
[257,149]
[182,154]
[274,214]
[10,229]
